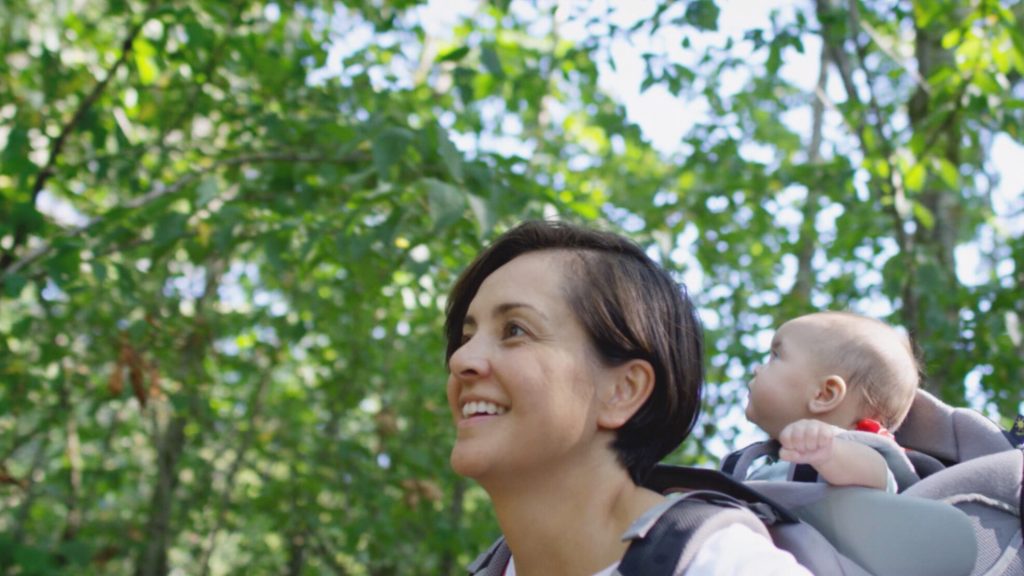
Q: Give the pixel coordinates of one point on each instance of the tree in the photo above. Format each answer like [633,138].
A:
[227,230]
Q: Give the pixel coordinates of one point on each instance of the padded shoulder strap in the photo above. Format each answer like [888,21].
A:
[668,479]
[895,457]
[738,463]
[668,544]
[493,561]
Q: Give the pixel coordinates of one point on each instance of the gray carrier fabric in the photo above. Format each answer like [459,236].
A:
[947,433]
[739,463]
[493,561]
[845,531]
[813,551]
[882,534]
[983,478]
[988,490]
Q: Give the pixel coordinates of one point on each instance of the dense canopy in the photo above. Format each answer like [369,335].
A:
[227,229]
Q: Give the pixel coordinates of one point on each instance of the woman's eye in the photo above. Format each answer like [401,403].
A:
[513,330]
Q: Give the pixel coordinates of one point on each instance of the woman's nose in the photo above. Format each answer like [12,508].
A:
[469,360]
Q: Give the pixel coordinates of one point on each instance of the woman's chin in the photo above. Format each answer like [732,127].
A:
[465,463]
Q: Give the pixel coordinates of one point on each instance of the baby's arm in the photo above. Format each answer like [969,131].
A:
[838,461]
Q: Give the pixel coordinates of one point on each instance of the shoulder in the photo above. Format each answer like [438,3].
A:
[736,550]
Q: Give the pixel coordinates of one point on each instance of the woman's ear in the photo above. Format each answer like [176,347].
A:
[632,384]
[829,396]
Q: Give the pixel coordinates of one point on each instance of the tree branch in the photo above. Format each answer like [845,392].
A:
[21,229]
[161,191]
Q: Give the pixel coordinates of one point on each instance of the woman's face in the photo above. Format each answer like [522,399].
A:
[522,387]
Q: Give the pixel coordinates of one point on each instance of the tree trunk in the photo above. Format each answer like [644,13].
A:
[153,561]
[936,318]
[808,234]
[296,554]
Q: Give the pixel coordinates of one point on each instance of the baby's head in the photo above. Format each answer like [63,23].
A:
[838,367]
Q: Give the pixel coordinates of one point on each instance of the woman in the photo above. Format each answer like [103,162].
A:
[576,364]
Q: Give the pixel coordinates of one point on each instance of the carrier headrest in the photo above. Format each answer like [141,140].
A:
[947,433]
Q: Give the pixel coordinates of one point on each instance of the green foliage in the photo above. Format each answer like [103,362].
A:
[227,230]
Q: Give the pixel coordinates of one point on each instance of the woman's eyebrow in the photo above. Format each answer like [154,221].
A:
[507,307]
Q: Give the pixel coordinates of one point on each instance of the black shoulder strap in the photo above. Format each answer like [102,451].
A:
[1016,432]
[804,473]
[666,478]
[737,464]
[1021,507]
[729,464]
[493,561]
[669,545]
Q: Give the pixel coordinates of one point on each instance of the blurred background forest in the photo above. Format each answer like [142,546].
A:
[227,229]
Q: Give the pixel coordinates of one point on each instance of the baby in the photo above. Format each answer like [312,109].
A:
[828,373]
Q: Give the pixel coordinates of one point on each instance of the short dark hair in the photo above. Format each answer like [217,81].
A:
[631,308]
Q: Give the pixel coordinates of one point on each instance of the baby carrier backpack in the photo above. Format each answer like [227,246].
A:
[959,512]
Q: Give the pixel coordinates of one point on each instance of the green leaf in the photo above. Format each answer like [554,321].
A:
[446,203]
[702,14]
[923,215]
[207,190]
[482,212]
[915,177]
[15,158]
[926,10]
[464,78]
[988,83]
[145,62]
[13,285]
[450,155]
[1001,58]
[491,62]
[454,55]
[169,228]
[949,174]
[951,38]
[388,148]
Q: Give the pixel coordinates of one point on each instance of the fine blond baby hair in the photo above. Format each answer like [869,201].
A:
[875,359]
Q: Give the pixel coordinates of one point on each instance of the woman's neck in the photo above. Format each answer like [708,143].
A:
[568,521]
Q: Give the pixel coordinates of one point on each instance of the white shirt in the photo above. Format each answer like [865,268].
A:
[732,551]
[739,551]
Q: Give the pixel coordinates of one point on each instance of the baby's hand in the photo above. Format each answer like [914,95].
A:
[807,442]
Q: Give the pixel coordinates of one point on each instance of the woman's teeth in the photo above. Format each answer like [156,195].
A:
[476,408]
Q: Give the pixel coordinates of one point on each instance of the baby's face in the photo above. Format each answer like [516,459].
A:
[783,387]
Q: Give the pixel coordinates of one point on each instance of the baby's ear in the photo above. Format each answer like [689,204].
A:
[630,386]
[830,394]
